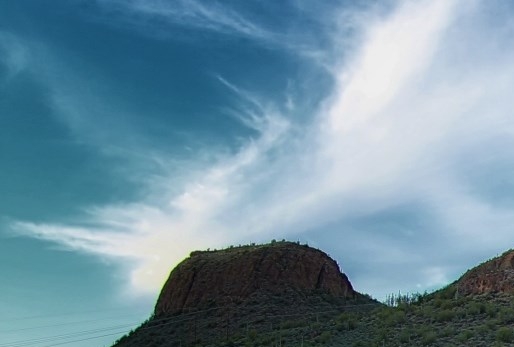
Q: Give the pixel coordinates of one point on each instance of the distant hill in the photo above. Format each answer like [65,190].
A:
[286,294]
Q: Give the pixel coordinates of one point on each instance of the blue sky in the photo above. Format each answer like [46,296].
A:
[132,132]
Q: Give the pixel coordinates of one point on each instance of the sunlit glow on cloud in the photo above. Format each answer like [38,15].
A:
[402,121]
[396,52]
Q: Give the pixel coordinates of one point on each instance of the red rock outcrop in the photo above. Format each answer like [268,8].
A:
[493,276]
[235,274]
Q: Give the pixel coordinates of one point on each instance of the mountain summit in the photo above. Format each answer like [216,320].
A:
[239,274]
[216,297]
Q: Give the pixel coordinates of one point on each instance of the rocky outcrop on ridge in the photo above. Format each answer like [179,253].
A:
[217,278]
[493,276]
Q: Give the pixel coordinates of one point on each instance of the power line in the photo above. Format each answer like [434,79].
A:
[86,332]
[64,324]
[85,339]
[65,314]
[167,321]
[33,341]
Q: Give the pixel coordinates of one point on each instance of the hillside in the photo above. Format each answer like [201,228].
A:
[215,297]
[294,307]
[493,276]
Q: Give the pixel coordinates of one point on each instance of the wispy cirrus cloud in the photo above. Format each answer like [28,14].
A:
[394,164]
[212,16]
[165,19]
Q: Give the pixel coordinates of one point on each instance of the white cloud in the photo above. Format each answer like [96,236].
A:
[406,114]
[212,16]
[161,18]
[396,52]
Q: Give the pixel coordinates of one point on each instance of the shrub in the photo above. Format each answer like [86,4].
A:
[346,321]
[429,338]
[447,293]
[448,331]
[405,336]
[252,334]
[465,335]
[289,324]
[475,308]
[505,334]
[506,315]
[325,337]
[491,310]
[394,318]
[427,312]
[483,329]
[445,316]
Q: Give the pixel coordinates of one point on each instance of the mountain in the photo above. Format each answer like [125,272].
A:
[214,297]
[286,294]
[242,274]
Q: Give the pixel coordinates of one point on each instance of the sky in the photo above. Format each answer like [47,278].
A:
[133,132]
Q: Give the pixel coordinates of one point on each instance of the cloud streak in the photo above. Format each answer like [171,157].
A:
[167,19]
[383,166]
[210,16]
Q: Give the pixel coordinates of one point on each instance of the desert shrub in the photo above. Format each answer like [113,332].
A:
[252,334]
[405,307]
[506,315]
[448,331]
[405,336]
[289,324]
[483,329]
[427,312]
[447,293]
[448,304]
[346,321]
[381,335]
[429,338]
[491,324]
[383,312]
[505,334]
[315,326]
[395,318]
[444,303]
[465,335]
[423,330]
[325,337]
[475,308]
[445,315]
[491,310]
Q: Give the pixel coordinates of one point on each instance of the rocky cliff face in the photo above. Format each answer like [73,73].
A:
[493,276]
[216,278]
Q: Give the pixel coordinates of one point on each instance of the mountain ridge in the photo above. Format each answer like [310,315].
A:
[316,305]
